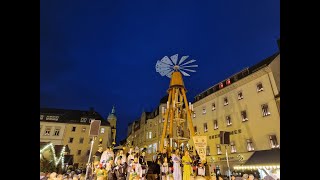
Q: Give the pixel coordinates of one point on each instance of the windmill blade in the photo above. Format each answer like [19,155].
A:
[190,70]
[183,59]
[190,66]
[169,74]
[184,73]
[191,61]
[164,72]
[166,60]
[160,66]
[174,59]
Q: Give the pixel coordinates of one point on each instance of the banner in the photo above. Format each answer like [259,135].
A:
[200,143]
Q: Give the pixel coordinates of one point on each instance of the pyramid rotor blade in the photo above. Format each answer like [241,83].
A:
[191,61]
[164,72]
[169,74]
[183,59]
[160,65]
[189,66]
[174,59]
[166,60]
[184,73]
[190,70]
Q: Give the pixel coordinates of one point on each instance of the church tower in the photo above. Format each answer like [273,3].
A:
[112,119]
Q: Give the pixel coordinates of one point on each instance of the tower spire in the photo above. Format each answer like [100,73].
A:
[113,111]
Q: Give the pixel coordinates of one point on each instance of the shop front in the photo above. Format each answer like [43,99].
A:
[219,164]
[266,163]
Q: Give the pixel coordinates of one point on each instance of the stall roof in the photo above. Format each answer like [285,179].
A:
[265,157]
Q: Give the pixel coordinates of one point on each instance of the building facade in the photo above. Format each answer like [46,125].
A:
[72,128]
[248,106]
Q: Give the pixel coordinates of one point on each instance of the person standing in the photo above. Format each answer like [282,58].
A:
[186,161]
[176,165]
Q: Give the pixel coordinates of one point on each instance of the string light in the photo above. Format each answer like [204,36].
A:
[61,158]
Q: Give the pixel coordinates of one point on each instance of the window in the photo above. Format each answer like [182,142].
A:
[88,152]
[215,124]
[273,141]
[57,132]
[150,135]
[265,110]
[194,114]
[70,140]
[259,87]
[240,95]
[244,116]
[79,152]
[250,145]
[233,147]
[213,106]
[81,140]
[195,129]
[219,149]
[225,101]
[154,150]
[83,119]
[102,130]
[149,150]
[154,135]
[221,85]
[41,117]
[205,127]
[73,129]
[228,82]
[208,151]
[83,129]
[47,131]
[228,118]
[90,140]
[147,133]
[52,118]
[204,110]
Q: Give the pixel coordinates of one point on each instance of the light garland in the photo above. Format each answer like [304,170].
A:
[61,158]
[257,167]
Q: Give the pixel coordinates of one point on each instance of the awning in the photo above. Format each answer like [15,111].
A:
[265,157]
[269,159]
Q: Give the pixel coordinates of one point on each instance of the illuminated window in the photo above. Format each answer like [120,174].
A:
[221,85]
[259,87]
[205,127]
[81,140]
[47,131]
[215,124]
[265,110]
[273,141]
[149,149]
[204,110]
[213,106]
[150,135]
[154,149]
[73,129]
[70,140]
[83,119]
[228,119]
[250,145]
[219,149]
[208,151]
[52,118]
[244,116]
[102,130]
[240,95]
[228,82]
[83,129]
[41,117]
[225,101]
[233,147]
[57,132]
[79,152]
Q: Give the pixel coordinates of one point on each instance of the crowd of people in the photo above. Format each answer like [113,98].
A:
[110,165]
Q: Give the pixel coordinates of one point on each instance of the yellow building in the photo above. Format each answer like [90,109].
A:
[247,105]
[71,128]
